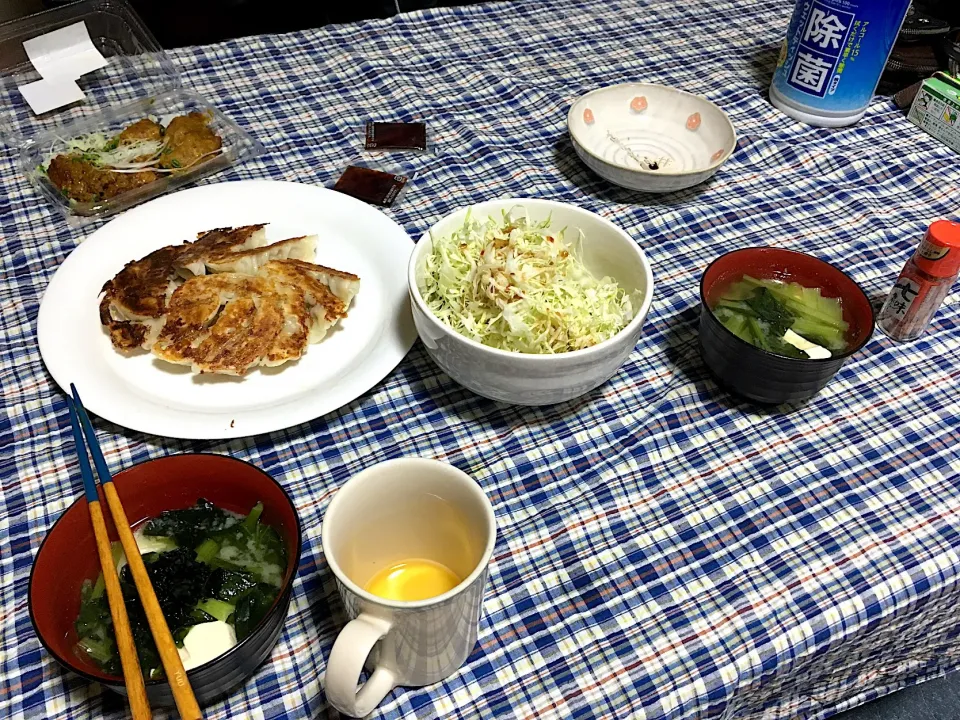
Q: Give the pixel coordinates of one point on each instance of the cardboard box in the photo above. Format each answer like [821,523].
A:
[936,109]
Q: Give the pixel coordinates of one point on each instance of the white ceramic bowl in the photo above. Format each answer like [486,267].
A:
[650,137]
[526,379]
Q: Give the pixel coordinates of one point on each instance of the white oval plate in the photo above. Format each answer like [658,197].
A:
[146,394]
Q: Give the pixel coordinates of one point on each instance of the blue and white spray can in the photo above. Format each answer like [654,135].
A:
[831,62]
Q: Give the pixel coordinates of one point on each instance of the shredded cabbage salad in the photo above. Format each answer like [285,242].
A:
[510,285]
[110,154]
[104,152]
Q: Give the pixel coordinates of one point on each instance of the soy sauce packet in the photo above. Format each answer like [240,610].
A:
[410,136]
[383,186]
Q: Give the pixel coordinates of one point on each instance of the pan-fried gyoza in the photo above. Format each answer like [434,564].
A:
[226,302]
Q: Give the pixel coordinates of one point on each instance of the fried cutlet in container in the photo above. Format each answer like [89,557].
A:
[84,182]
[144,129]
[188,139]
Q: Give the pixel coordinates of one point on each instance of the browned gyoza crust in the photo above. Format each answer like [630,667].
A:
[312,268]
[214,243]
[221,305]
[124,334]
[292,340]
[221,323]
[295,273]
[142,288]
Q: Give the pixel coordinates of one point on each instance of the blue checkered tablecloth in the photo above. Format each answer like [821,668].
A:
[665,550]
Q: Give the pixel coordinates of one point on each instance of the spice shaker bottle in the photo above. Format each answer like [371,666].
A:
[924,282]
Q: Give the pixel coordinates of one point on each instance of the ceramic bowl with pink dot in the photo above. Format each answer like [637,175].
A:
[650,137]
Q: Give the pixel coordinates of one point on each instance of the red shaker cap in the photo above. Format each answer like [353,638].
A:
[939,253]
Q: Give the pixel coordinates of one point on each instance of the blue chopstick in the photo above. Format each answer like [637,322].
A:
[89,484]
[176,675]
[132,673]
[102,472]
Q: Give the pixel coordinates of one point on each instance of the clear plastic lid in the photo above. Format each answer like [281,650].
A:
[136,66]
[126,79]
[35,154]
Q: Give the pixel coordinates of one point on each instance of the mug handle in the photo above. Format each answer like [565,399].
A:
[350,650]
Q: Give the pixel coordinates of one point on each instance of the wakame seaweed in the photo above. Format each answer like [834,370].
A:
[220,566]
[192,525]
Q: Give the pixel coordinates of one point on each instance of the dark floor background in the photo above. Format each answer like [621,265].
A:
[195,22]
[198,22]
[189,22]
[935,700]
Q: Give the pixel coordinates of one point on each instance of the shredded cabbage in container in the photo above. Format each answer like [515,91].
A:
[510,285]
[109,154]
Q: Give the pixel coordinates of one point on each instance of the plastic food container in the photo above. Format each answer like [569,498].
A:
[138,81]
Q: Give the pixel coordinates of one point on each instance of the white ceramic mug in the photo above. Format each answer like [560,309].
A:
[398,510]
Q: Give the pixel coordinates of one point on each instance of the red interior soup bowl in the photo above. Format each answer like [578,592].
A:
[68,556]
[764,376]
